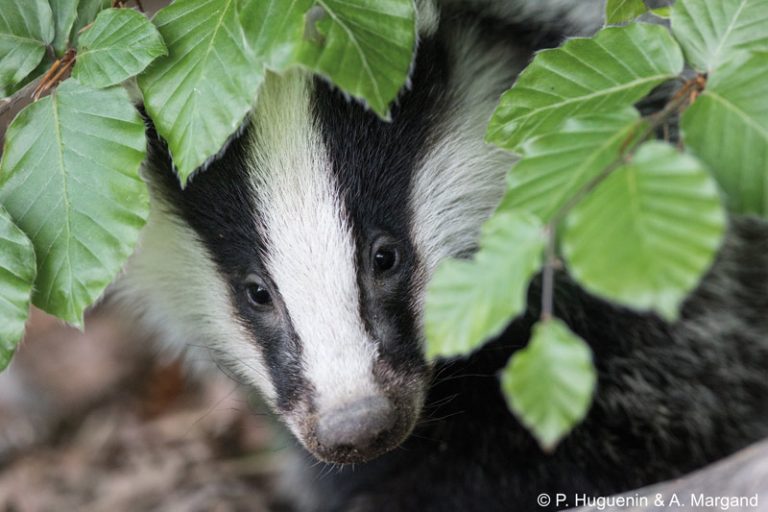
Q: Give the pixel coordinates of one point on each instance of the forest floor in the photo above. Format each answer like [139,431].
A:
[96,422]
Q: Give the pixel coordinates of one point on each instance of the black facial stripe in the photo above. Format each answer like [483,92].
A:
[215,202]
[218,205]
[373,160]
[282,353]
[373,163]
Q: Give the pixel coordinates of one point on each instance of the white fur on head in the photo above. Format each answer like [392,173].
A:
[427,17]
[461,180]
[309,246]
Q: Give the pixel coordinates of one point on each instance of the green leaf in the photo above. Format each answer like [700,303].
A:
[471,301]
[364,46]
[17,275]
[218,51]
[646,235]
[64,14]
[275,30]
[69,177]
[199,94]
[621,11]
[711,30]
[119,45]
[603,74]
[556,166]
[26,28]
[86,13]
[550,383]
[662,12]
[727,127]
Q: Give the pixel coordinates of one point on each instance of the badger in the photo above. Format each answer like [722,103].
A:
[297,260]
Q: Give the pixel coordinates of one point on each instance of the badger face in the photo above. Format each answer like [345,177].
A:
[298,259]
[329,290]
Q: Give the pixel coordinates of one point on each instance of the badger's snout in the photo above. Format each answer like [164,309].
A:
[358,431]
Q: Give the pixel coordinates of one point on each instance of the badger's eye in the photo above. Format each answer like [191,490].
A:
[385,255]
[385,259]
[257,293]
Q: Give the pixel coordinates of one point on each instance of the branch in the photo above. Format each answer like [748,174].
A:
[25,93]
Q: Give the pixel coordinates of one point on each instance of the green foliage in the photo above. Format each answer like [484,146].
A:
[727,127]
[119,45]
[25,30]
[711,31]
[365,47]
[192,107]
[605,73]
[17,274]
[471,301]
[274,30]
[648,232]
[549,384]
[636,221]
[556,166]
[69,178]
[69,172]
[64,14]
[621,11]
[87,10]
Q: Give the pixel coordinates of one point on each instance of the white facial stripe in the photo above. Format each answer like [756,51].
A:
[310,249]
[177,291]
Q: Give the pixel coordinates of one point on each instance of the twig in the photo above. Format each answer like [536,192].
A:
[25,92]
[54,75]
[548,292]
[40,85]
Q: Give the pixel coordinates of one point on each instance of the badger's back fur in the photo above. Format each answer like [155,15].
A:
[270,263]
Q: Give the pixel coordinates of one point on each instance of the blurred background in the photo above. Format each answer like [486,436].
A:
[97,421]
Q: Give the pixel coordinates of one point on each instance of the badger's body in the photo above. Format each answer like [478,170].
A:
[298,260]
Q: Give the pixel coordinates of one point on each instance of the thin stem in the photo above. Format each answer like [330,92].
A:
[56,74]
[548,285]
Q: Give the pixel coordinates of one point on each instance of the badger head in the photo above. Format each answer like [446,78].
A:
[298,258]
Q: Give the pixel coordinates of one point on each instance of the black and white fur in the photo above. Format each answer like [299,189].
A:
[304,197]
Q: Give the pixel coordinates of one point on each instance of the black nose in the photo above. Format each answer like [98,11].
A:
[357,431]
